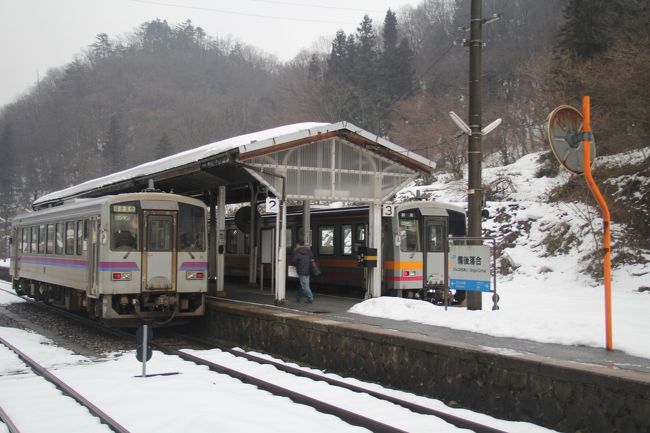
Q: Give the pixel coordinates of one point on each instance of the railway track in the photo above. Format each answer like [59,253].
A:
[347,415]
[63,387]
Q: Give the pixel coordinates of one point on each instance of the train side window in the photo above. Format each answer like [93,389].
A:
[49,243]
[69,238]
[346,239]
[231,241]
[41,239]
[60,238]
[34,240]
[360,238]
[361,233]
[26,239]
[326,240]
[191,227]
[247,243]
[80,237]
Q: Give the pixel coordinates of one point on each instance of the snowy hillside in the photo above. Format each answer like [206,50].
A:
[547,258]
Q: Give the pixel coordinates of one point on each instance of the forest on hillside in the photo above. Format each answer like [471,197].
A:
[168,87]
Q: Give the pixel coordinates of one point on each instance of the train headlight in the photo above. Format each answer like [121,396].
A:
[195,275]
[408,273]
[121,276]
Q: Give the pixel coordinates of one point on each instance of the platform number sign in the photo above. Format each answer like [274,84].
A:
[272,205]
[387,209]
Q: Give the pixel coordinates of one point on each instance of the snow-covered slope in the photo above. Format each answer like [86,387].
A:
[548,254]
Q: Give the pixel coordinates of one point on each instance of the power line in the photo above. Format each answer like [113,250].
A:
[245,14]
[318,6]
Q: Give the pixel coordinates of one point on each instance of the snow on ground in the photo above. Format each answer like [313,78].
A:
[181,396]
[549,297]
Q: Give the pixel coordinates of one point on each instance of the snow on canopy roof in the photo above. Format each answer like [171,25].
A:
[243,143]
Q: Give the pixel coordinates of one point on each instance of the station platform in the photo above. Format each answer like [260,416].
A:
[336,308]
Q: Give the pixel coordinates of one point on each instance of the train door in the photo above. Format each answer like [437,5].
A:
[159,252]
[92,247]
[435,249]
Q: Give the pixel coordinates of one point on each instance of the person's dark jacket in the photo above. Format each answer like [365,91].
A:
[301,259]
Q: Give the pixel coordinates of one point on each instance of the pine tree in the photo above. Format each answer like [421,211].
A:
[366,54]
[587,26]
[337,61]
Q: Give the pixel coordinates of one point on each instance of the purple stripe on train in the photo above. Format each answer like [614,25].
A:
[194,266]
[118,266]
[53,261]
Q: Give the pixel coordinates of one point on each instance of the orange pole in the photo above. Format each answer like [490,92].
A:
[607,274]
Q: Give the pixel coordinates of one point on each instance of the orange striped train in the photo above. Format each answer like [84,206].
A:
[414,247]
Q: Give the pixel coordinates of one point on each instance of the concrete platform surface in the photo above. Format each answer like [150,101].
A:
[336,308]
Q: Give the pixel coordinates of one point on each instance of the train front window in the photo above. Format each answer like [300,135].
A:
[159,233]
[125,227]
[409,232]
[191,228]
[434,237]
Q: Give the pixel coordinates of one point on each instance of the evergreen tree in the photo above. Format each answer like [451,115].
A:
[396,75]
[587,27]
[164,146]
[101,48]
[337,61]
[315,73]
[366,54]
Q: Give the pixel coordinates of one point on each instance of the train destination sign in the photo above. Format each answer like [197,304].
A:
[469,267]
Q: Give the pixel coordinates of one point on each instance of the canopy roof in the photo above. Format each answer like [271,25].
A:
[318,160]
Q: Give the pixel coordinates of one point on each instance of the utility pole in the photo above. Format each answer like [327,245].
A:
[475,154]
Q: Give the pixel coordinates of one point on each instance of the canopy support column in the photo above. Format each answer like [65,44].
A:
[252,262]
[306,222]
[221,237]
[373,289]
[212,243]
[281,260]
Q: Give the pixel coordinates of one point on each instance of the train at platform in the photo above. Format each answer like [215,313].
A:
[123,259]
[414,247]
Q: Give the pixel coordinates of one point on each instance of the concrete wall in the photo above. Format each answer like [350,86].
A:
[555,394]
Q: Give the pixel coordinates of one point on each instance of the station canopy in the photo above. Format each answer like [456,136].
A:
[304,161]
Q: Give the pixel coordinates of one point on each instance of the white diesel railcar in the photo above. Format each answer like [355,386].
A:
[122,258]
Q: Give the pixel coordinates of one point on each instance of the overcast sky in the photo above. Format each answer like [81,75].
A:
[36,35]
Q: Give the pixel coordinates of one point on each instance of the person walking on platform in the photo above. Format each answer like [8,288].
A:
[301,259]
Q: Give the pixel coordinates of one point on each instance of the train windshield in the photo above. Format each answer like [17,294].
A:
[409,232]
[125,227]
[191,228]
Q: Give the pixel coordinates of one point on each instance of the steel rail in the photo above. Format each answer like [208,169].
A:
[8,422]
[66,389]
[452,419]
[414,407]
[345,415]
[321,406]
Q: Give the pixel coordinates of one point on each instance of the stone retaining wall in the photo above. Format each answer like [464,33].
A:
[556,394]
